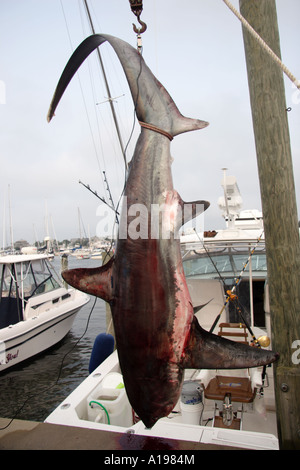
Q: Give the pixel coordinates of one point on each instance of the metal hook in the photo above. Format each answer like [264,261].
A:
[139,30]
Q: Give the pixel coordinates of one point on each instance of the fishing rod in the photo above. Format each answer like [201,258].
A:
[210,258]
[234,298]
[230,292]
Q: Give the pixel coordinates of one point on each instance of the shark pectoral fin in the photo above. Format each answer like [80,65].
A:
[94,281]
[208,351]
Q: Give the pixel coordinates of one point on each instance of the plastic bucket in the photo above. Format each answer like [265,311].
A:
[191,414]
[191,402]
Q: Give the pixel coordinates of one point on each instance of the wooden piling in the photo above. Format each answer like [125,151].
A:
[275,168]
[109,323]
[64,262]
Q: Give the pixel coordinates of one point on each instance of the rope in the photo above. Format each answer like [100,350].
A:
[263,44]
[156,129]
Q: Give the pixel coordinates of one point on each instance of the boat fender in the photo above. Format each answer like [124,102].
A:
[102,348]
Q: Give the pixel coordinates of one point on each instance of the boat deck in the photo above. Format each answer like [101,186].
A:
[29,435]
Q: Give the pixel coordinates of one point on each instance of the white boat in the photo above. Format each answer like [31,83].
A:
[83,253]
[96,254]
[36,310]
[231,408]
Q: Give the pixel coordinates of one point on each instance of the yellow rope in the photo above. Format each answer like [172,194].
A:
[263,44]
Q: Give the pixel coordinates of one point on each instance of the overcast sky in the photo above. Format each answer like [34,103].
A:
[194,48]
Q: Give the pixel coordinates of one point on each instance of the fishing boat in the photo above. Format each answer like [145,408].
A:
[96,254]
[36,310]
[82,254]
[226,273]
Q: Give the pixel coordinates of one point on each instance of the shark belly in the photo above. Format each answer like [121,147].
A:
[149,316]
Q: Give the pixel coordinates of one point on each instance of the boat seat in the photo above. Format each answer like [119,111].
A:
[233,390]
[230,331]
[230,395]
[239,388]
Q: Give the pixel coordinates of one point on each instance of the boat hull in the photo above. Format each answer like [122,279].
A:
[31,337]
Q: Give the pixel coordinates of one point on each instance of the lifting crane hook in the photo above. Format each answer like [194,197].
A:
[139,30]
[137,8]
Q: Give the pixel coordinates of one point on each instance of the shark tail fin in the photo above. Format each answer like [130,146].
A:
[208,351]
[77,58]
[94,281]
[143,85]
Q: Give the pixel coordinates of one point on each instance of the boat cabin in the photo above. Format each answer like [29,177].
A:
[23,279]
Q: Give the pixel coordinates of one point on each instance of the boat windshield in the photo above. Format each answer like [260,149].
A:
[27,279]
[227,264]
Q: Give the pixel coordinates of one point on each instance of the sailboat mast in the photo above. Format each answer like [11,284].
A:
[4,225]
[79,225]
[10,220]
[107,86]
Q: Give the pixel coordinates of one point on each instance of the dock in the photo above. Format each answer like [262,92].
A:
[31,435]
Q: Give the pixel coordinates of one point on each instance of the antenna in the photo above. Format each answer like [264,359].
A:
[225,193]
[10,220]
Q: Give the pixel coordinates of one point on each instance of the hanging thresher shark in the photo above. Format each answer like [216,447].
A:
[156,331]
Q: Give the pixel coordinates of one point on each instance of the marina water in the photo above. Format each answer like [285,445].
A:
[31,390]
